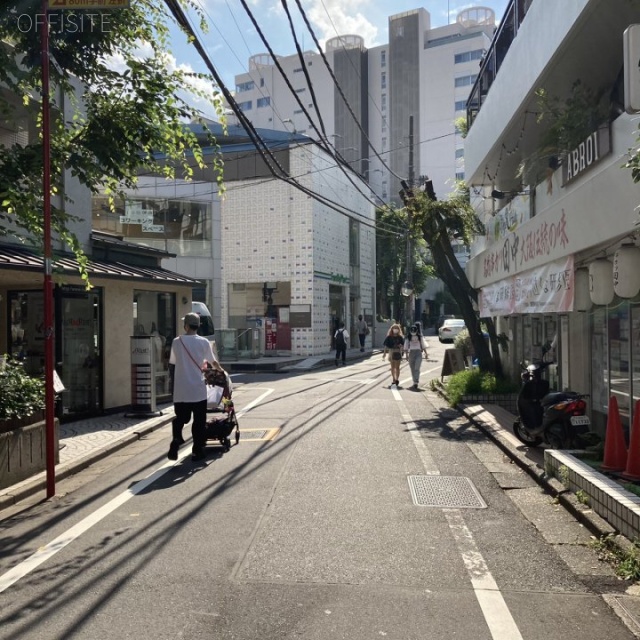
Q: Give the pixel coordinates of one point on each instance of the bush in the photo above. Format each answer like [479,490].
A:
[20,394]
[474,381]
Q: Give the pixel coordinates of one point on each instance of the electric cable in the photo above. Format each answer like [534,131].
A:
[261,147]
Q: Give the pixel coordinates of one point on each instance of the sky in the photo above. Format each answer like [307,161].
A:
[232,38]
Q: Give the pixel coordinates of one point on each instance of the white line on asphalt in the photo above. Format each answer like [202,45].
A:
[501,624]
[44,553]
[496,613]
[253,403]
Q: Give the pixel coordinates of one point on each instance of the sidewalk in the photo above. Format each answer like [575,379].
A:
[84,442]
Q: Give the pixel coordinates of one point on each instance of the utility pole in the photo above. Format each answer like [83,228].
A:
[408,286]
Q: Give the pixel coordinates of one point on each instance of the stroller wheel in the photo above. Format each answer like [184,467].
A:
[237,436]
[226,444]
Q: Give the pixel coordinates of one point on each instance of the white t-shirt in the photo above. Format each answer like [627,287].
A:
[188,381]
[414,343]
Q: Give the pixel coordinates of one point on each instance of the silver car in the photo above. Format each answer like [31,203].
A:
[450,329]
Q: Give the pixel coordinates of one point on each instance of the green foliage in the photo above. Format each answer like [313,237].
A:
[124,108]
[391,252]
[474,381]
[20,394]
[569,121]
[454,217]
[462,126]
[625,560]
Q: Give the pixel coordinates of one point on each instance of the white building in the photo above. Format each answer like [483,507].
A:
[545,268]
[405,94]
[292,265]
[421,73]
[269,257]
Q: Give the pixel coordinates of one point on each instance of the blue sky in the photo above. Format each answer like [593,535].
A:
[232,38]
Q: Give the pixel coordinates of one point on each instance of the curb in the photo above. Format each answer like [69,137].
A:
[18,492]
[592,521]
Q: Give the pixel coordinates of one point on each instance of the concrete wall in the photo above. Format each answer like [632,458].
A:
[23,453]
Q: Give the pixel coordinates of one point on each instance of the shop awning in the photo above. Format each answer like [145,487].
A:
[22,259]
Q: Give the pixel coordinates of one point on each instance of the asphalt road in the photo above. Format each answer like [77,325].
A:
[308,529]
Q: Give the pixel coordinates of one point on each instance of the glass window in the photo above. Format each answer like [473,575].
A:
[154,314]
[245,106]
[619,382]
[245,86]
[383,80]
[459,153]
[263,102]
[468,56]
[179,226]
[383,58]
[465,81]
[635,353]
[461,105]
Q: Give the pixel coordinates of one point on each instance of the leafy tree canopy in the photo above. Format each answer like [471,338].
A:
[116,101]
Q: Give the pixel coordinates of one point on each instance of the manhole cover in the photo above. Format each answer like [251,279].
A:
[445,491]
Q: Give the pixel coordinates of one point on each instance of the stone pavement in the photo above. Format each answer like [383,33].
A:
[83,443]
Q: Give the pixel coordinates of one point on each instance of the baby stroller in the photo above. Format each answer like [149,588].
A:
[219,403]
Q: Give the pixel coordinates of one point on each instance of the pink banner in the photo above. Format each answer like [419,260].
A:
[546,289]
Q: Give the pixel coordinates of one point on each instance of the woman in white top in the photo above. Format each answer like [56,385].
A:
[414,347]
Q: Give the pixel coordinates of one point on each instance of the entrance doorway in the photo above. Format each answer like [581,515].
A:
[78,345]
[79,350]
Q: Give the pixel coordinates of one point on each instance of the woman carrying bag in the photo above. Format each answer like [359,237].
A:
[415,346]
[393,345]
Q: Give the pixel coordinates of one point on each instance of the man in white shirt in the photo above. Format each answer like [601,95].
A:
[189,354]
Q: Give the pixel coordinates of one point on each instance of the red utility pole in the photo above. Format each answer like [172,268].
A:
[48,283]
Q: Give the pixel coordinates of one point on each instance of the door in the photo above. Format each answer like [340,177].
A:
[79,350]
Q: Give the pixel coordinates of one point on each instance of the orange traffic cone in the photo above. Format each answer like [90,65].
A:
[632,472]
[615,449]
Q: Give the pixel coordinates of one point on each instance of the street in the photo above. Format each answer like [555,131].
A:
[309,528]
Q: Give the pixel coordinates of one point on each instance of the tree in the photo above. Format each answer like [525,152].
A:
[439,222]
[391,252]
[123,108]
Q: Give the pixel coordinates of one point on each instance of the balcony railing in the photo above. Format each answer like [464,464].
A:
[502,39]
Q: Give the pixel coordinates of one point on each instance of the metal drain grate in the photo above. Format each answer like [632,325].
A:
[445,491]
[255,434]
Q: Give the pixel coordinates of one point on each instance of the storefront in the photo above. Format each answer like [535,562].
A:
[92,328]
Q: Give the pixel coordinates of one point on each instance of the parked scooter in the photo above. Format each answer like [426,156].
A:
[556,419]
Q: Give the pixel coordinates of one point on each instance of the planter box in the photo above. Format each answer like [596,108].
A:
[23,453]
[508,401]
[619,507]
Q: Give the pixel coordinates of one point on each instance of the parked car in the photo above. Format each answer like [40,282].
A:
[442,318]
[450,329]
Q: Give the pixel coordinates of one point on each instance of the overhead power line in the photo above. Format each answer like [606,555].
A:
[178,13]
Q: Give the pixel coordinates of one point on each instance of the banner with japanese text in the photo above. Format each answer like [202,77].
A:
[546,289]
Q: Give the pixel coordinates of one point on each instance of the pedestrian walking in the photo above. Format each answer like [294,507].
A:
[393,344]
[340,338]
[415,347]
[190,353]
[363,330]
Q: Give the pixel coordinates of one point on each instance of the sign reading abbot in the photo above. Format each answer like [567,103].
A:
[89,4]
[586,154]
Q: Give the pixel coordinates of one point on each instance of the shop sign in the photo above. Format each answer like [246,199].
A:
[546,289]
[586,154]
[143,388]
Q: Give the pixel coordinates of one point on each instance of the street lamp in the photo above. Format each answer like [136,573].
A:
[407,289]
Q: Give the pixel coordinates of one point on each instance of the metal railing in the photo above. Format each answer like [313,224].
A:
[493,59]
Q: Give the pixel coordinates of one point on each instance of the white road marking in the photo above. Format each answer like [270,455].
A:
[44,553]
[501,624]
